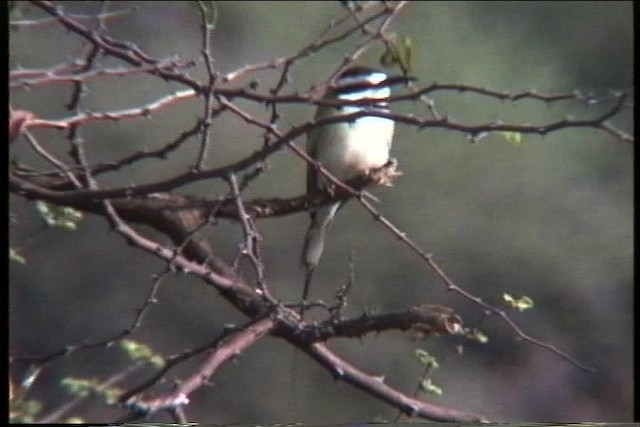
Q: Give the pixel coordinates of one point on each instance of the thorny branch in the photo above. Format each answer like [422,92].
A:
[182,218]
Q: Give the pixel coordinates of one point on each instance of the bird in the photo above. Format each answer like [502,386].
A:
[347,150]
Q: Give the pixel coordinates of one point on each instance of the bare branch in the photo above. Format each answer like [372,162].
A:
[376,387]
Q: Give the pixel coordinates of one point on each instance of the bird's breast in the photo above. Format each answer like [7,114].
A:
[352,148]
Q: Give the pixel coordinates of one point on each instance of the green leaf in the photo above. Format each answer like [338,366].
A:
[83,387]
[477,335]
[398,52]
[79,386]
[514,138]
[15,256]
[141,353]
[521,304]
[430,388]
[59,216]
[426,359]
[23,411]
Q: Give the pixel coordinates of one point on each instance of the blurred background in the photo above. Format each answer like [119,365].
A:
[550,217]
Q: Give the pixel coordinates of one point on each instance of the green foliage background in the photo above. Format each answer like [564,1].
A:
[550,218]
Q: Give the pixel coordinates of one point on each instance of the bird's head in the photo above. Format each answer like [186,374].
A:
[360,82]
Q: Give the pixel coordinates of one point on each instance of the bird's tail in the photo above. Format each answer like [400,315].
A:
[314,245]
[305,291]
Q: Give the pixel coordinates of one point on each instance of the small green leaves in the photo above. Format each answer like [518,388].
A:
[477,335]
[59,216]
[520,304]
[22,410]
[141,353]
[514,138]
[78,386]
[83,387]
[398,52]
[429,387]
[429,361]
[16,257]
[425,385]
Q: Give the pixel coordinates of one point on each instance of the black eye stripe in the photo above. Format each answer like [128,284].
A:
[365,84]
[361,86]
[358,71]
